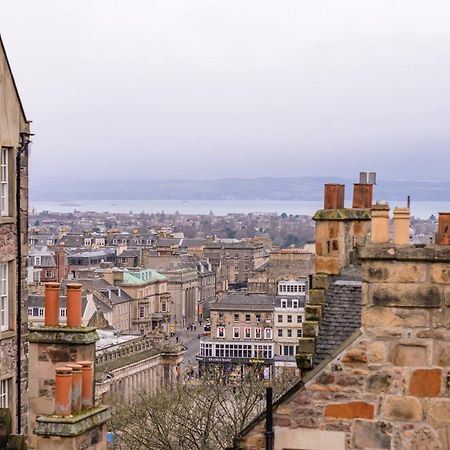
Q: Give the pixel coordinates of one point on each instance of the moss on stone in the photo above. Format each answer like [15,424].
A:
[342,214]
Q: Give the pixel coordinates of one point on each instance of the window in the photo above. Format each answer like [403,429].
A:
[236,317]
[280,318]
[295,303]
[37,260]
[247,317]
[41,312]
[48,273]
[247,333]
[280,332]
[299,318]
[4,300]
[289,333]
[141,312]
[288,350]
[163,307]
[4,393]
[4,184]
[267,333]
[299,333]
[284,303]
[220,332]
[62,312]
[257,333]
[30,311]
[258,318]
[236,332]
[289,318]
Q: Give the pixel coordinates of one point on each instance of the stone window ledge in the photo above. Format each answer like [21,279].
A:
[72,425]
[4,220]
[7,334]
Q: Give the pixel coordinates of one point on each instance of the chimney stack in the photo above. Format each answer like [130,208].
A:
[334,196]
[76,386]
[51,303]
[74,305]
[380,223]
[401,226]
[444,229]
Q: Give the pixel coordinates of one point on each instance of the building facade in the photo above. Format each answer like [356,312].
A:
[14,139]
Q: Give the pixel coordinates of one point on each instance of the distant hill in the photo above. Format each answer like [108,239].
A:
[301,188]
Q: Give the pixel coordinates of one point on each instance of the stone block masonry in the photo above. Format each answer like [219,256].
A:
[388,386]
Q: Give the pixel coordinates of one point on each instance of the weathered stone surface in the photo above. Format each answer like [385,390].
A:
[403,409]
[325,378]
[328,264]
[439,411]
[395,272]
[394,317]
[441,355]
[425,382]
[410,355]
[376,352]
[407,295]
[440,273]
[307,344]
[370,435]
[351,410]
[316,296]
[379,382]
[313,312]
[355,356]
[320,281]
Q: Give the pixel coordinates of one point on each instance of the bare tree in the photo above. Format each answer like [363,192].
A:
[204,416]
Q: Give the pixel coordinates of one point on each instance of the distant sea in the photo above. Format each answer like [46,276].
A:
[218,207]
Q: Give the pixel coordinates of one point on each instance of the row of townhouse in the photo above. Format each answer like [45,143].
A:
[251,330]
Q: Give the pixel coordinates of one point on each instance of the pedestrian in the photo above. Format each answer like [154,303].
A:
[176,339]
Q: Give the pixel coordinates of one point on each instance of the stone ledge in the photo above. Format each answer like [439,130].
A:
[342,214]
[431,253]
[62,335]
[72,425]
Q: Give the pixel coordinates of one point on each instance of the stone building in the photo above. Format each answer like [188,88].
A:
[14,139]
[285,264]
[143,364]
[206,287]
[241,257]
[383,382]
[241,335]
[150,307]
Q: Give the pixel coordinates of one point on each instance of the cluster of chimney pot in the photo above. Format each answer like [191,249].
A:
[362,198]
[74,381]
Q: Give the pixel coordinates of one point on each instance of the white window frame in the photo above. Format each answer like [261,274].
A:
[4,297]
[258,333]
[221,332]
[267,333]
[295,303]
[4,182]
[4,392]
[280,332]
[236,332]
[141,312]
[62,312]
[41,312]
[247,333]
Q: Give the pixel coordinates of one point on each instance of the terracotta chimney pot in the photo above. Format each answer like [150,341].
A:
[401,226]
[74,305]
[63,391]
[76,386]
[362,195]
[444,229]
[380,223]
[51,304]
[334,196]
[87,392]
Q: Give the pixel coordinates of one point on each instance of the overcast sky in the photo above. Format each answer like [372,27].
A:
[208,89]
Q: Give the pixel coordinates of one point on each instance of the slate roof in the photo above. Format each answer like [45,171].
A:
[341,317]
[240,301]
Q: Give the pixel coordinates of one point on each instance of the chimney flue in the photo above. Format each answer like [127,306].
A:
[76,386]
[444,229]
[74,305]
[63,391]
[362,195]
[380,223]
[334,196]
[86,384]
[51,303]
[401,226]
